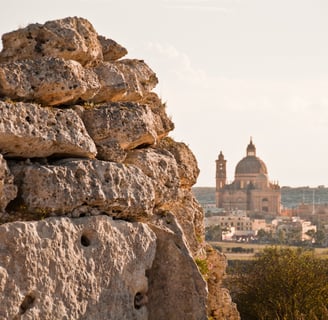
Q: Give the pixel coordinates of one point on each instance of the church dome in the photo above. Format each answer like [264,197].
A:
[251,165]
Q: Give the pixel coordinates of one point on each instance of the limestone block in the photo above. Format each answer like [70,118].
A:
[190,216]
[111,49]
[86,268]
[187,163]
[220,305]
[8,191]
[71,38]
[49,81]
[110,150]
[162,168]
[177,290]
[139,77]
[113,86]
[67,186]
[28,131]
[130,125]
[124,80]
[163,123]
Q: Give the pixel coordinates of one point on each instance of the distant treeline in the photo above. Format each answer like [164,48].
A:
[290,197]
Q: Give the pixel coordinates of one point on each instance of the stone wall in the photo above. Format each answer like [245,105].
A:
[97,216]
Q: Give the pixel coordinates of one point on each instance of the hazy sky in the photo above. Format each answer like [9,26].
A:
[228,70]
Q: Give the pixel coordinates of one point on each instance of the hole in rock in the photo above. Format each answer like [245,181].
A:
[27,303]
[142,146]
[85,241]
[140,299]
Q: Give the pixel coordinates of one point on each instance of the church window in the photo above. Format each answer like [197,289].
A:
[265,205]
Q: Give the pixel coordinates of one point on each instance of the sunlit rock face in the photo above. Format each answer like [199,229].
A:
[70,39]
[97,216]
[30,131]
[86,268]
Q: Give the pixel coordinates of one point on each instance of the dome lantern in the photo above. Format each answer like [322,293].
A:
[251,150]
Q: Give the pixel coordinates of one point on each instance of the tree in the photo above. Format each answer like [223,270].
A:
[282,284]
[264,236]
[213,233]
[320,237]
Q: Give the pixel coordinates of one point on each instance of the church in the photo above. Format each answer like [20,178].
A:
[251,191]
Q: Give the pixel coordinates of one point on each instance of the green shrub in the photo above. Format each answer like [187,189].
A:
[282,284]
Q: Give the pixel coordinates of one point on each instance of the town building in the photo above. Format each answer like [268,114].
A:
[251,190]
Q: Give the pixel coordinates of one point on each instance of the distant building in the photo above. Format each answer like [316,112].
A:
[251,190]
[294,228]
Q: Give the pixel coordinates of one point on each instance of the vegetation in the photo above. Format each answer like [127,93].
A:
[213,233]
[202,266]
[281,284]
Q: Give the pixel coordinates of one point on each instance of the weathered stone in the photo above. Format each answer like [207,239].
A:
[190,216]
[111,49]
[112,81]
[220,305]
[110,150]
[87,268]
[129,125]
[28,131]
[176,287]
[124,80]
[71,38]
[69,185]
[8,191]
[92,267]
[49,81]
[162,168]
[140,79]
[163,123]
[187,163]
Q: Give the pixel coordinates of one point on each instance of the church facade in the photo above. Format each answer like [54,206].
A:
[251,190]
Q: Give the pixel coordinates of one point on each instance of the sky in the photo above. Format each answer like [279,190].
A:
[228,70]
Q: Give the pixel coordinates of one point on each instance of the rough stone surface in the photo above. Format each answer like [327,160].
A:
[8,191]
[162,168]
[174,276]
[163,123]
[130,125]
[187,163]
[86,268]
[190,216]
[111,150]
[220,305]
[28,131]
[111,49]
[88,265]
[140,79]
[71,38]
[49,81]
[112,82]
[69,186]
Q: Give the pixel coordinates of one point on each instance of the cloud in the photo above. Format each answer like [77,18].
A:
[177,64]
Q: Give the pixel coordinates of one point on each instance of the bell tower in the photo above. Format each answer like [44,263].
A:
[221,178]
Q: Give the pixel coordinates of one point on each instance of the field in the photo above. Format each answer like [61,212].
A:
[226,248]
